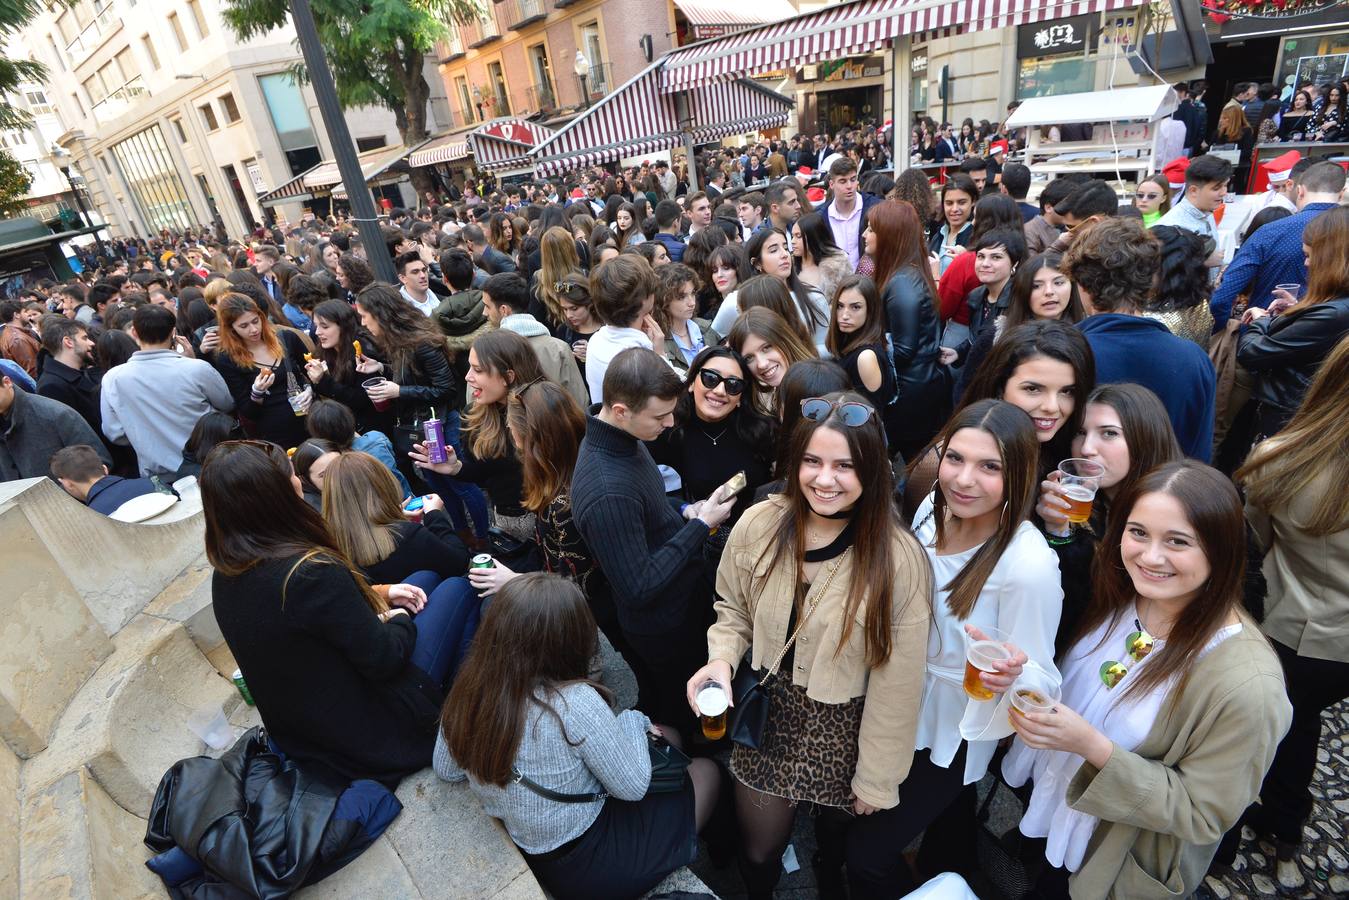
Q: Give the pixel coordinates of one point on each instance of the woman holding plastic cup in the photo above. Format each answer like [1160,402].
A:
[1172,701]
[263,366]
[332,370]
[995,610]
[1126,431]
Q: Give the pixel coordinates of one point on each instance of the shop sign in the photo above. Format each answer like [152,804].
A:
[850,69]
[518,132]
[918,63]
[255,175]
[1060,36]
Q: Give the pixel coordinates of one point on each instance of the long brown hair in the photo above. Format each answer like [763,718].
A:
[341,359]
[548,427]
[1232,123]
[1286,465]
[772,329]
[876,526]
[509,355]
[872,331]
[772,293]
[899,243]
[1023,285]
[403,329]
[361,504]
[253,515]
[231,308]
[1014,433]
[1327,240]
[537,637]
[1213,510]
[1147,429]
[557,260]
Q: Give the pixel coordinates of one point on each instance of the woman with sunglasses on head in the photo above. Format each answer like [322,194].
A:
[1042,368]
[310,461]
[718,430]
[995,579]
[825,586]
[674,310]
[768,254]
[572,294]
[769,345]
[500,363]
[264,370]
[1040,291]
[305,627]
[1172,702]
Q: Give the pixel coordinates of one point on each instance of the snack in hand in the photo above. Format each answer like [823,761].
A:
[356,345]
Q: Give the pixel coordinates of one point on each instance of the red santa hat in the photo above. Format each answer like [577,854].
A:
[1175,171]
[815,194]
[1280,168]
[997,148]
[577,194]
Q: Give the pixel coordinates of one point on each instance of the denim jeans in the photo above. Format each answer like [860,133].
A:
[445,626]
[472,506]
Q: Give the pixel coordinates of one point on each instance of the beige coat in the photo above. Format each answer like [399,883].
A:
[1164,807]
[753,607]
[1307,607]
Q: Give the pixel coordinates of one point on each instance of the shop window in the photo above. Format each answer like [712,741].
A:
[230,108]
[1317,58]
[208,116]
[1049,76]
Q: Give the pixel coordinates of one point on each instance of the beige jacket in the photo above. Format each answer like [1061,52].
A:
[1164,807]
[1307,607]
[754,605]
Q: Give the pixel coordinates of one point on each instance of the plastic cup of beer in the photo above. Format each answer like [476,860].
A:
[1292,289]
[369,383]
[980,656]
[1033,692]
[712,705]
[1079,480]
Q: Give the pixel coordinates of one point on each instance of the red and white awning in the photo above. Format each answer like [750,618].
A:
[504,144]
[712,18]
[446,148]
[638,118]
[852,28]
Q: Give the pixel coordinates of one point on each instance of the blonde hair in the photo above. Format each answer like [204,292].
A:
[362,503]
[557,259]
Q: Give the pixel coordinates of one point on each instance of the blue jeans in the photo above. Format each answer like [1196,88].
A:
[445,626]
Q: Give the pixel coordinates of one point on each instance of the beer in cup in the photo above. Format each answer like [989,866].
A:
[980,655]
[1033,692]
[1079,480]
[712,704]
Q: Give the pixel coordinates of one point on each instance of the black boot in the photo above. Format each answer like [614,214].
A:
[831,829]
[760,878]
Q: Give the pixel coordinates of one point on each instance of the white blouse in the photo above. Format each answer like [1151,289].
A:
[1127,724]
[1023,597]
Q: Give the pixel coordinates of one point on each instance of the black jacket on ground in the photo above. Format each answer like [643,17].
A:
[1285,352]
[651,557]
[332,682]
[431,545]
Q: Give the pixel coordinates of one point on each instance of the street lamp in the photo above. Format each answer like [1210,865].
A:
[62,157]
[582,69]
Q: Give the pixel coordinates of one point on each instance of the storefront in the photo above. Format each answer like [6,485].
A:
[1055,57]
[841,93]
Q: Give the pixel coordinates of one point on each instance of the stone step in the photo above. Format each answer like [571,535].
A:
[9,823]
[77,842]
[128,723]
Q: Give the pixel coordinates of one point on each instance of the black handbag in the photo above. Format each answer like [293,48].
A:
[1009,863]
[669,767]
[747,687]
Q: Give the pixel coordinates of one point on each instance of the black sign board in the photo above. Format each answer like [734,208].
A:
[1072,35]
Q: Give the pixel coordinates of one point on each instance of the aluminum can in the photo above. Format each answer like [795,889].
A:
[238,679]
[482,561]
[434,432]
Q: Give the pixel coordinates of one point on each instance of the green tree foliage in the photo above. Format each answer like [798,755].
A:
[14,15]
[14,184]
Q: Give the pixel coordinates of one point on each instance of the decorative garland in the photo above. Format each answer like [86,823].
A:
[1221,11]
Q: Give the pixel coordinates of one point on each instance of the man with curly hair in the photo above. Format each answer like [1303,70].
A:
[1114,263]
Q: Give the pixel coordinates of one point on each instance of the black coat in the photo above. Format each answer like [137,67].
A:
[333,683]
[76,388]
[427,386]
[431,546]
[915,333]
[272,419]
[1285,352]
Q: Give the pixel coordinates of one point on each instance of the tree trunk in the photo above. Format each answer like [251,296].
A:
[412,123]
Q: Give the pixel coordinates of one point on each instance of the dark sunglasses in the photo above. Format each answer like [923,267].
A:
[853,413]
[711,378]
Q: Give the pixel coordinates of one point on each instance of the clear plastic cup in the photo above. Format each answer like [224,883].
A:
[980,655]
[380,405]
[209,724]
[1034,691]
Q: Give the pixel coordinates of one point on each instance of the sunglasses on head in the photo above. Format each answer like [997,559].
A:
[853,413]
[711,378]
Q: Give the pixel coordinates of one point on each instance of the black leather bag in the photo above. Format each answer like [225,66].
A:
[669,768]
[747,687]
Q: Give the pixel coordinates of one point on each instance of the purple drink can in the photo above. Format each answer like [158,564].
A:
[434,431]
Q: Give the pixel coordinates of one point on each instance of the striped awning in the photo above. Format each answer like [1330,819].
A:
[852,28]
[290,192]
[443,149]
[504,144]
[708,18]
[638,118]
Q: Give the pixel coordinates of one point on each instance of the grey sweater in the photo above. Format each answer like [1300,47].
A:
[610,755]
[35,428]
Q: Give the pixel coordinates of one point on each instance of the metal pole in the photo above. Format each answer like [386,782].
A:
[85,220]
[686,128]
[344,150]
[901,113]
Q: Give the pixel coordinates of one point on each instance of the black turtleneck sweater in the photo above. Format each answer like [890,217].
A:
[704,465]
[650,556]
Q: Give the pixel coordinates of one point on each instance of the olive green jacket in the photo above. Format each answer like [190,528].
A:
[1164,807]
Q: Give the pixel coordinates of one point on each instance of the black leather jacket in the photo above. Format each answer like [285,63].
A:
[1285,351]
[911,316]
[429,388]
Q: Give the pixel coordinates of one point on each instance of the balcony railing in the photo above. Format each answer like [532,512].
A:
[540,98]
[119,101]
[520,13]
[91,35]
[598,83]
[453,45]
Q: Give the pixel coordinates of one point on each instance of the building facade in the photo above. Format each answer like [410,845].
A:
[174,123]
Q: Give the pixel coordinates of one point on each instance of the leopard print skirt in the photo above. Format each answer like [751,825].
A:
[808,753]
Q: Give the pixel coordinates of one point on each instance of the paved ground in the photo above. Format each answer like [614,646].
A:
[1321,869]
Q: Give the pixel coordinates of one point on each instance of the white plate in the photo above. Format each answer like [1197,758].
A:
[146,506]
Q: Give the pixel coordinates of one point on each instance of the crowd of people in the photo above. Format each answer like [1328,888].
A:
[807,445]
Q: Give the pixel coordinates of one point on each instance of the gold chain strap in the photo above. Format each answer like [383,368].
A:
[772,670]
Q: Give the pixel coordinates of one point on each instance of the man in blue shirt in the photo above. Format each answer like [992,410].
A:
[1274,254]
[84,476]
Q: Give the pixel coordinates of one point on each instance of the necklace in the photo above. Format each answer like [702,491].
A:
[718,437]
